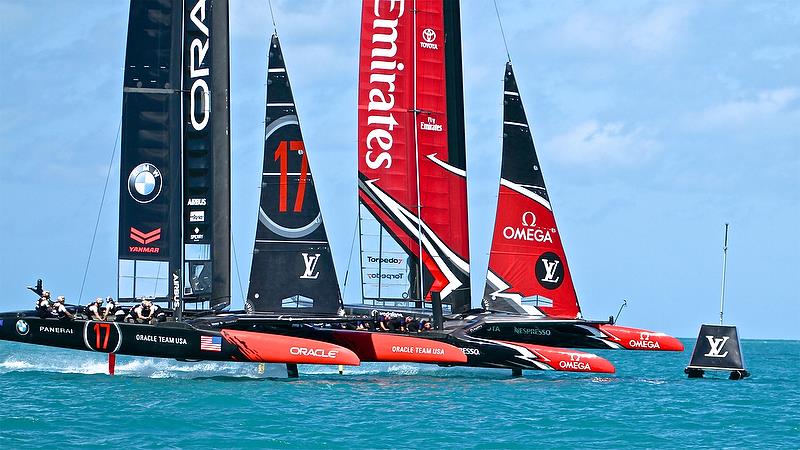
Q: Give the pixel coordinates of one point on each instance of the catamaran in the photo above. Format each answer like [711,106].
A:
[174,222]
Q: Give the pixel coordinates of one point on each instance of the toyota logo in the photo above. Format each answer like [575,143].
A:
[429,35]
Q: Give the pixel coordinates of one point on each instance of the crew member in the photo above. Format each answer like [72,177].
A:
[44,307]
[95,310]
[142,313]
[61,310]
[112,311]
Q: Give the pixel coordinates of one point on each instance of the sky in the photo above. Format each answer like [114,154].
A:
[655,123]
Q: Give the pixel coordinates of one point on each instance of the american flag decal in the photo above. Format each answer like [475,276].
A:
[211,343]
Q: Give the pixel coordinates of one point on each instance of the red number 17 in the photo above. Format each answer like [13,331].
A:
[105,327]
[282,154]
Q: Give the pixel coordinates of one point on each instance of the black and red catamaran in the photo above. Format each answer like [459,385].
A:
[174,243]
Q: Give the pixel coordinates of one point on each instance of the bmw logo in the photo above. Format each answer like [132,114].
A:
[144,183]
[22,327]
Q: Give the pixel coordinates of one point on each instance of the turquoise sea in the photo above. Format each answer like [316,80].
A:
[53,397]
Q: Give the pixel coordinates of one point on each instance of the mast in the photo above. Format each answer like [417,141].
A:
[456,132]
[724,270]
[220,103]
[206,155]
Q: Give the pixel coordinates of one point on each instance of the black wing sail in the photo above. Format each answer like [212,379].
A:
[150,168]
[292,267]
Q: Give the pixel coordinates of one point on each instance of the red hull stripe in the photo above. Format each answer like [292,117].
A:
[386,347]
[566,360]
[273,348]
[638,339]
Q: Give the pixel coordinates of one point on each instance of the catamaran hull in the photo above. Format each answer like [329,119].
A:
[170,340]
[455,348]
[572,333]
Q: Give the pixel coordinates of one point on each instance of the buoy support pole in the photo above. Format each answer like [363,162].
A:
[112,362]
[724,269]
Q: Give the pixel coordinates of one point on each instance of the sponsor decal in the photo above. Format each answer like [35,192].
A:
[176,290]
[716,346]
[161,339]
[196,235]
[644,342]
[373,260]
[310,272]
[531,331]
[493,329]
[475,328]
[56,330]
[471,351]
[145,183]
[428,38]
[385,276]
[430,125]
[197,216]
[529,231]
[549,271]
[318,352]
[417,350]
[23,328]
[574,363]
[196,202]
[140,249]
[384,69]
[211,343]
[145,237]
[198,49]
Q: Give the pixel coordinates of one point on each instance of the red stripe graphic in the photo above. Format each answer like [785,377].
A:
[145,238]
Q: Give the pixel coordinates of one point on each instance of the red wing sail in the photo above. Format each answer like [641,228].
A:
[412,197]
[528,270]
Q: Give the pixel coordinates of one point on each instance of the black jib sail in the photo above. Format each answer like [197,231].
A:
[175,173]
[292,267]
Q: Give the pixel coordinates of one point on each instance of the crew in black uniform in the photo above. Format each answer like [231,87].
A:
[44,308]
[61,310]
[112,311]
[142,313]
[95,310]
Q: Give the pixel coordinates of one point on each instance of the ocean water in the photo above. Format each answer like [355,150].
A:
[53,397]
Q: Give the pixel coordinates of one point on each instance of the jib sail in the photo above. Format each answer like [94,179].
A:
[528,270]
[292,268]
[175,174]
[412,173]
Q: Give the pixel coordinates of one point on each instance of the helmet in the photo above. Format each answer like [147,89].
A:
[98,300]
[60,299]
[46,294]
